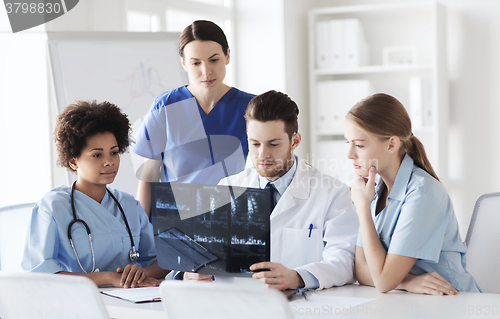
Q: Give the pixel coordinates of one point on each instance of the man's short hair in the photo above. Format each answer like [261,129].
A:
[274,106]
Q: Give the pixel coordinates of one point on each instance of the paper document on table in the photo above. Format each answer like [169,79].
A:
[137,295]
[324,304]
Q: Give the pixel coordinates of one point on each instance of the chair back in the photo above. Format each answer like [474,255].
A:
[13,223]
[40,295]
[483,254]
[212,300]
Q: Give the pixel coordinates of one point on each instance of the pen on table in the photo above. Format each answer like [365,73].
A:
[310,229]
[304,294]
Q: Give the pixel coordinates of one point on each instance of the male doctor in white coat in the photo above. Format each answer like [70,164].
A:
[313,225]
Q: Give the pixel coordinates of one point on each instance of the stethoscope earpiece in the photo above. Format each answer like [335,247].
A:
[133,254]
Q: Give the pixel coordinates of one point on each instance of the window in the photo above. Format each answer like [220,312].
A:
[177,20]
[24,123]
[215,2]
[144,22]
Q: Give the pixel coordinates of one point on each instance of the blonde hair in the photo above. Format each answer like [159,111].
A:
[384,116]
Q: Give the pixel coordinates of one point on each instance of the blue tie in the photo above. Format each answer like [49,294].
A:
[272,190]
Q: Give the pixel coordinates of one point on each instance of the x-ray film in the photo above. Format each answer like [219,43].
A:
[211,229]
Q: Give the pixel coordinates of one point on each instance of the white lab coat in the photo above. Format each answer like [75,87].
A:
[327,252]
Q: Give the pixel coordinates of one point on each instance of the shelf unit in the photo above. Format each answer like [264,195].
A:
[420,26]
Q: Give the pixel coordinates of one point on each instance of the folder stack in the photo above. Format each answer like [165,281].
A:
[340,44]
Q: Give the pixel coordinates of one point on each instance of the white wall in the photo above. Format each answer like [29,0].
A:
[25,173]
[474,71]
[296,64]
[259,45]
[271,43]
[92,15]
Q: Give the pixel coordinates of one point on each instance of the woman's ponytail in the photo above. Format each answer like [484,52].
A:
[417,151]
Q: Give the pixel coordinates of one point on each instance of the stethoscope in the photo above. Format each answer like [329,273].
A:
[133,254]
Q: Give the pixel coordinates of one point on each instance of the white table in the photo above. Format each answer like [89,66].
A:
[331,303]
[122,309]
[396,304]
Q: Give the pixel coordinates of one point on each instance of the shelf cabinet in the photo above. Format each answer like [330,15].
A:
[404,50]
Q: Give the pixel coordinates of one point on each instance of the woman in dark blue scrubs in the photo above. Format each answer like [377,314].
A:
[195,133]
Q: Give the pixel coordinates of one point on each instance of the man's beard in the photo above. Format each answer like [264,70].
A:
[279,168]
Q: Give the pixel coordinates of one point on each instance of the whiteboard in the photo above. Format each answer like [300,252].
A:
[125,68]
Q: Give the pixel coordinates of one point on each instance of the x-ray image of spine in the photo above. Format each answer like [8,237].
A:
[234,228]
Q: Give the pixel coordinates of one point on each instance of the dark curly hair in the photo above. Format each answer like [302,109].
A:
[83,119]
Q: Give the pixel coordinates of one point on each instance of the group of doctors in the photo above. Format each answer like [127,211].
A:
[394,228]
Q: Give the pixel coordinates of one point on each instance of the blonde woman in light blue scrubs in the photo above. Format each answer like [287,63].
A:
[409,237]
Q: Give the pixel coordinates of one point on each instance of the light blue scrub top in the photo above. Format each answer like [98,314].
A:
[195,147]
[48,249]
[420,222]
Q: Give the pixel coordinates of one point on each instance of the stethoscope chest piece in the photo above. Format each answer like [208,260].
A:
[133,254]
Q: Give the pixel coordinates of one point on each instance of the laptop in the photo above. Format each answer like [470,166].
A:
[41,295]
[210,229]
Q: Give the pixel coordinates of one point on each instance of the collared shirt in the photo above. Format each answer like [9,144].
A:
[419,222]
[281,184]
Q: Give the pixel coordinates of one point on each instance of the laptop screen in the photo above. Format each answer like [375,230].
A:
[210,229]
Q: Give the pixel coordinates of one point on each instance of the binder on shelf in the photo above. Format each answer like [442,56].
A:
[336,46]
[420,102]
[415,102]
[335,99]
[427,102]
[355,47]
[322,58]
[325,110]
